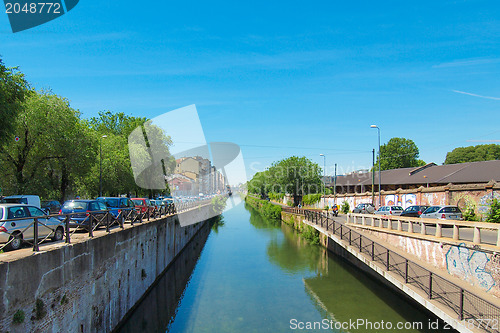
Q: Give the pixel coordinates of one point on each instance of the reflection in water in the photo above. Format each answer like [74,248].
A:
[257,275]
[158,309]
[217,222]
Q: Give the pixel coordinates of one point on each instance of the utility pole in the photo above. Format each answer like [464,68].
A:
[373,177]
[335,185]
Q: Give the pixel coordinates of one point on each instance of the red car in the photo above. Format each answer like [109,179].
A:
[143,205]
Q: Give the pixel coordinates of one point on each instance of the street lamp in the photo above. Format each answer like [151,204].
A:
[379,179]
[324,179]
[100,164]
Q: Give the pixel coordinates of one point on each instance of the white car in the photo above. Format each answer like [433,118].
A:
[442,212]
[16,223]
[389,210]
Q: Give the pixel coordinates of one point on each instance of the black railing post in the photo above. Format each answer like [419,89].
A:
[91,225]
[107,221]
[350,241]
[341,233]
[373,251]
[35,231]
[430,285]
[360,246]
[461,310]
[388,257]
[406,270]
[132,216]
[66,227]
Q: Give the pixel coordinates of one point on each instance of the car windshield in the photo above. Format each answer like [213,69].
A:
[397,208]
[111,202]
[1,213]
[138,202]
[75,205]
[432,210]
[45,204]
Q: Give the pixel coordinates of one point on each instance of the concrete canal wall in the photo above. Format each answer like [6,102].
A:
[473,264]
[89,286]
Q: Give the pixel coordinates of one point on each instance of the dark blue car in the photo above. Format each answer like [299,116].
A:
[80,211]
[117,205]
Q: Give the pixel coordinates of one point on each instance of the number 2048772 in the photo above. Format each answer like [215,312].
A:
[33,8]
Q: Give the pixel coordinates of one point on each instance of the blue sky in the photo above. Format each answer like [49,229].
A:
[281,78]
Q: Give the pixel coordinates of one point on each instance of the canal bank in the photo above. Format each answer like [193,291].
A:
[256,274]
[91,285]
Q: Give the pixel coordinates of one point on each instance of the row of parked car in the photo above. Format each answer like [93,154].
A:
[444,212]
[17,214]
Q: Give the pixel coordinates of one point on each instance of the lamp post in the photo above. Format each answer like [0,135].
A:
[100,164]
[379,179]
[324,180]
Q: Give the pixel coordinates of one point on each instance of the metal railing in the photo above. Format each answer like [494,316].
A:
[471,309]
[411,224]
[35,230]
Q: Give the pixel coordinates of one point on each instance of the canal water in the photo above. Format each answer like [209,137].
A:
[249,274]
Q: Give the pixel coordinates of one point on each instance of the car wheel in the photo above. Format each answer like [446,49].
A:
[58,234]
[16,241]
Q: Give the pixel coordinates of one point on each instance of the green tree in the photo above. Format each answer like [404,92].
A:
[494,212]
[13,90]
[473,154]
[399,153]
[55,148]
[297,176]
[117,173]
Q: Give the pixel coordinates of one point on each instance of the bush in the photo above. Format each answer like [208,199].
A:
[469,213]
[345,208]
[219,204]
[18,317]
[494,212]
[310,234]
[311,199]
[276,196]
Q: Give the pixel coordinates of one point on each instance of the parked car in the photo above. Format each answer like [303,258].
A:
[364,208]
[389,210]
[33,200]
[442,212]
[143,205]
[414,211]
[81,210]
[24,217]
[51,206]
[119,207]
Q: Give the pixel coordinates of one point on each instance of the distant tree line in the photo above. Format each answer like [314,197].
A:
[46,148]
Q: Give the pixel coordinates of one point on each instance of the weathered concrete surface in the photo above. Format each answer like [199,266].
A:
[476,265]
[89,286]
[158,307]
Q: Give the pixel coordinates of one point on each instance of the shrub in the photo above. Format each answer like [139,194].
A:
[18,317]
[311,199]
[469,213]
[494,212]
[310,234]
[345,208]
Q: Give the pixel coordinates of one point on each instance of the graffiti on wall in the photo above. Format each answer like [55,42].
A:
[485,202]
[408,200]
[469,265]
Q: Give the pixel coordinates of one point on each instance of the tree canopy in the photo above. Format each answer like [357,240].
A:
[13,90]
[399,153]
[296,176]
[57,155]
[473,154]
